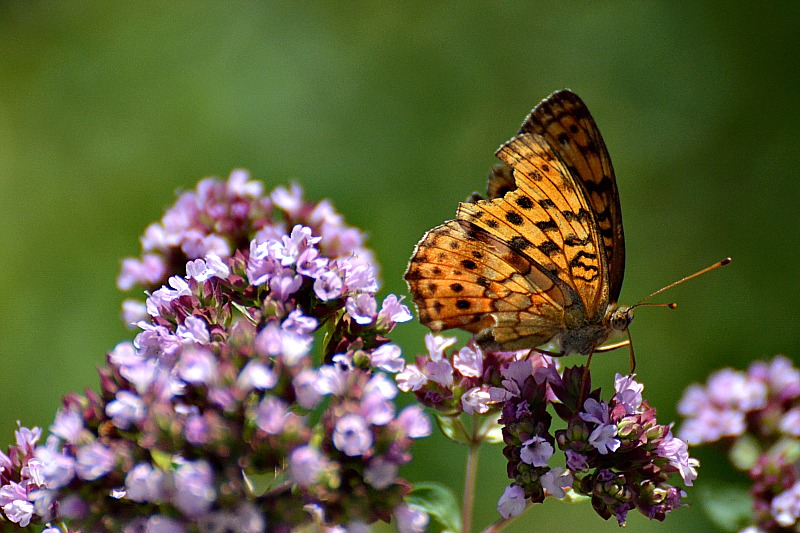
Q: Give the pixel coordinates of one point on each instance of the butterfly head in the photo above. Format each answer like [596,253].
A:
[621,318]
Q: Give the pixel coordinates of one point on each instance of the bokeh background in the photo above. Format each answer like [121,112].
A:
[393,111]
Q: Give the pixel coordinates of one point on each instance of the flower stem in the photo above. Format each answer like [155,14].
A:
[471,480]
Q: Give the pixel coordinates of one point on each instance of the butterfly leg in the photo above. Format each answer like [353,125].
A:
[627,342]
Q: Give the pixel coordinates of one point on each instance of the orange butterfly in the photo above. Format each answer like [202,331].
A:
[542,260]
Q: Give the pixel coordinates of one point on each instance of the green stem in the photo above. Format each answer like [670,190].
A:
[471,480]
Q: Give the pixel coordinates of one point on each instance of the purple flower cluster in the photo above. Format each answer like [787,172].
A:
[226,412]
[21,477]
[755,415]
[458,382]
[218,218]
[615,451]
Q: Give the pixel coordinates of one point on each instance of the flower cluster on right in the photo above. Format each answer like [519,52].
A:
[755,415]
[614,451]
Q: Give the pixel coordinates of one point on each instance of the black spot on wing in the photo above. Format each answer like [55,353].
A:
[514,218]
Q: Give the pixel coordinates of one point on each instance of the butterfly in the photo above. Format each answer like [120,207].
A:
[542,259]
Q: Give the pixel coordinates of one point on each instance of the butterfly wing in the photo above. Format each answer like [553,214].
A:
[462,276]
[564,121]
[546,220]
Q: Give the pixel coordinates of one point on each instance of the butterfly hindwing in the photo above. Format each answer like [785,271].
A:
[462,277]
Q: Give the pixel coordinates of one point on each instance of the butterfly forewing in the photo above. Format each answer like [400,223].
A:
[566,124]
[556,223]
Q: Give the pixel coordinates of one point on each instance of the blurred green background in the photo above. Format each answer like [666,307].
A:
[394,111]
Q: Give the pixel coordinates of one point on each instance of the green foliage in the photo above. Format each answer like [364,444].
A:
[440,503]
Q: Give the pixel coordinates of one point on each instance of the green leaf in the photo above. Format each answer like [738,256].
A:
[243,309]
[162,460]
[745,452]
[573,496]
[441,505]
[453,428]
[729,507]
[490,431]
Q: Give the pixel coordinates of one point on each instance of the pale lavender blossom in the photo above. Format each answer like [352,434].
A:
[306,464]
[19,511]
[352,435]
[310,263]
[126,410]
[273,341]
[240,184]
[284,284]
[536,451]
[576,462]
[393,312]
[555,480]
[362,308]
[380,473]
[711,424]
[514,375]
[512,502]
[27,438]
[93,460]
[629,393]
[163,524]
[271,415]
[476,400]
[359,275]
[388,358]
[376,405]
[204,269]
[256,375]
[299,324]
[58,468]
[124,354]
[260,265]
[133,311]
[603,439]
[68,425]
[163,296]
[733,389]
[197,366]
[440,371]
[196,244]
[410,519]
[305,388]
[329,286]
[677,451]
[411,379]
[437,345]
[150,269]
[332,380]
[193,329]
[469,362]
[603,436]
[785,507]
[290,200]
[143,483]
[194,488]
[196,429]
[790,422]
[414,421]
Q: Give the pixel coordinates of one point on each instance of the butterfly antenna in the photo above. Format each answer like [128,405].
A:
[673,284]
